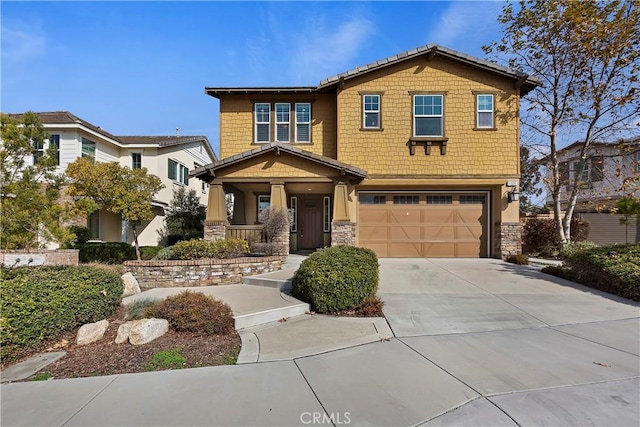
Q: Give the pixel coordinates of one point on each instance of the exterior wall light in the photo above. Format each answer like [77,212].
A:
[513,195]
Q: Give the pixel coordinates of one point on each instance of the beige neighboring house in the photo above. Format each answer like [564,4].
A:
[168,157]
[612,170]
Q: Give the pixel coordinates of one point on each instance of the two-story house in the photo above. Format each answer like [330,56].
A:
[612,169]
[415,155]
[168,157]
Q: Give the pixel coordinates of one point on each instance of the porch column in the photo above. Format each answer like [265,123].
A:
[278,195]
[216,221]
[343,229]
[279,200]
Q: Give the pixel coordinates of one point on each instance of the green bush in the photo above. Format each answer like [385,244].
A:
[573,247]
[194,312]
[196,249]
[149,252]
[83,234]
[108,253]
[554,270]
[614,269]
[40,303]
[518,259]
[336,278]
[164,253]
[539,235]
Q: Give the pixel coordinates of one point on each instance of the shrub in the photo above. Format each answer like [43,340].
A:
[109,252]
[539,235]
[267,248]
[196,249]
[573,247]
[137,309]
[554,270]
[40,303]
[164,253]
[166,359]
[194,312]
[336,278]
[614,269]
[275,221]
[149,252]
[518,259]
[83,234]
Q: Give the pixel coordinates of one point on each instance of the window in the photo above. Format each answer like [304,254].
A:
[38,151]
[136,160]
[264,201]
[88,149]
[203,184]
[293,214]
[93,223]
[484,117]
[326,214]
[283,118]
[303,122]
[427,115]
[178,172]
[262,119]
[371,111]
[54,143]
[472,200]
[406,200]
[369,199]
[585,172]
[439,200]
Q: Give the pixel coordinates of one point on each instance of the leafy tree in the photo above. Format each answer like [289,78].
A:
[185,215]
[587,55]
[118,189]
[529,180]
[29,212]
[629,208]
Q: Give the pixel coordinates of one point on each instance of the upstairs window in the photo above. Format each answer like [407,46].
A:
[427,115]
[484,113]
[178,172]
[263,122]
[136,160]
[584,177]
[303,122]
[283,120]
[371,111]
[88,149]
[54,143]
[38,151]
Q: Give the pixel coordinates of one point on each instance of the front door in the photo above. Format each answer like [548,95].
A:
[310,233]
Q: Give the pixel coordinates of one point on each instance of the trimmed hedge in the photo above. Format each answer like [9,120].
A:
[40,303]
[149,252]
[336,278]
[196,249]
[539,235]
[108,253]
[614,269]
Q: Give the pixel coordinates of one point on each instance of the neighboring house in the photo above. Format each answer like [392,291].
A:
[611,171]
[411,156]
[168,157]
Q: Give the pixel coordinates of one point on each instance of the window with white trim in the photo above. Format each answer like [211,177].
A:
[585,172]
[283,120]
[303,122]
[54,143]
[136,160]
[264,201]
[427,115]
[88,149]
[38,151]
[371,111]
[326,214]
[293,214]
[178,172]
[93,224]
[262,121]
[484,113]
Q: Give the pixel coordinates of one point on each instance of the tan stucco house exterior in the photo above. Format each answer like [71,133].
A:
[411,156]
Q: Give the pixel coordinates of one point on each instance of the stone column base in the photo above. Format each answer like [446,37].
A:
[215,230]
[508,239]
[343,233]
[281,243]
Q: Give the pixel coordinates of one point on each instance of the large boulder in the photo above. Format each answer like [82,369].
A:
[92,332]
[146,330]
[123,332]
[131,285]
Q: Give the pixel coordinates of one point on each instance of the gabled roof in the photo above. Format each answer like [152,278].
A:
[628,142]
[524,81]
[65,117]
[277,147]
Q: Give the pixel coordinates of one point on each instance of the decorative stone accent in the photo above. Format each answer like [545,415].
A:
[123,332]
[343,233]
[215,230]
[39,257]
[281,243]
[508,239]
[199,272]
[92,332]
[146,330]
[131,285]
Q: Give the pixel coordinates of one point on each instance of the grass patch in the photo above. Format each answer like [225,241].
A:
[42,376]
[166,359]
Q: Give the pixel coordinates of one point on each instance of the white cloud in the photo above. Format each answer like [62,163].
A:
[22,45]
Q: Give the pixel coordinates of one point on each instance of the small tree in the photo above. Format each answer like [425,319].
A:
[185,215]
[118,189]
[29,212]
[629,208]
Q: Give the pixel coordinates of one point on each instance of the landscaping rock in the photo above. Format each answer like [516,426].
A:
[131,285]
[123,332]
[92,332]
[146,330]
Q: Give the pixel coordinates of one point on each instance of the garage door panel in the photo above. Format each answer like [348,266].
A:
[468,250]
[404,232]
[405,216]
[439,250]
[468,233]
[374,233]
[405,250]
[381,249]
[438,232]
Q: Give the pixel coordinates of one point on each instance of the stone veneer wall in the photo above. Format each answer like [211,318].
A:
[343,233]
[215,230]
[199,272]
[508,239]
[19,258]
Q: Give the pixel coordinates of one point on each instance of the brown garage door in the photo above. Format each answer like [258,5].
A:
[423,225]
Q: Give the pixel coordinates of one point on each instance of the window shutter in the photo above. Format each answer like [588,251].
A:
[172,169]
[597,169]
[564,173]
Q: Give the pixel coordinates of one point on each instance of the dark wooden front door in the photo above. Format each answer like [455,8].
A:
[310,233]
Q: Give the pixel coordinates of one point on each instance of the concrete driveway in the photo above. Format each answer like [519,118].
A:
[537,350]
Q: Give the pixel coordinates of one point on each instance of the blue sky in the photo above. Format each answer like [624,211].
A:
[140,68]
